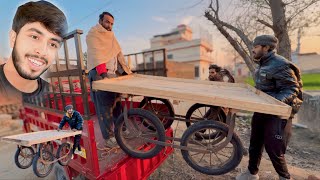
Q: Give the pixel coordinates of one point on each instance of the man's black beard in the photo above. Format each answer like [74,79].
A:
[19,69]
[105,27]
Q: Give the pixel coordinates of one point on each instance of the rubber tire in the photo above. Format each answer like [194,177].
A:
[238,154]
[167,104]
[16,158]
[154,120]
[35,162]
[59,152]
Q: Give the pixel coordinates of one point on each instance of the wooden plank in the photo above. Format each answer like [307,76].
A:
[29,139]
[232,95]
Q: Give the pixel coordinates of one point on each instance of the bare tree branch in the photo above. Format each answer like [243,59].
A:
[242,52]
[267,2]
[301,10]
[245,39]
[265,23]
[288,3]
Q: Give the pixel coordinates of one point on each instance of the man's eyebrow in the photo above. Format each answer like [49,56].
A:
[35,30]
[57,40]
[39,32]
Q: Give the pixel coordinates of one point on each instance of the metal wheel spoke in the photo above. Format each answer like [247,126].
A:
[195,153]
[223,155]
[218,158]
[195,141]
[200,113]
[196,116]
[202,157]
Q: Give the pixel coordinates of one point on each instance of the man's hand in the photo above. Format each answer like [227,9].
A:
[58,129]
[104,75]
[74,130]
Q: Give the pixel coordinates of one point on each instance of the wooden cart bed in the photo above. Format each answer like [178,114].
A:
[29,139]
[231,95]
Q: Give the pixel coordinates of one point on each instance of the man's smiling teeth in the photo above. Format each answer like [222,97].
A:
[35,62]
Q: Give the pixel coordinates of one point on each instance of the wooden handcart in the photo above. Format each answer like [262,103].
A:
[36,149]
[209,145]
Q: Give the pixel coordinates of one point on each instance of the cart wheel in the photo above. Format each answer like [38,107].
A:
[134,137]
[162,108]
[40,168]
[199,112]
[65,151]
[23,157]
[211,163]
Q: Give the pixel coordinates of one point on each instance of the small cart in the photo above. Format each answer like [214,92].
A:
[36,149]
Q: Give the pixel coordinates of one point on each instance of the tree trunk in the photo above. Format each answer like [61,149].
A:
[280,28]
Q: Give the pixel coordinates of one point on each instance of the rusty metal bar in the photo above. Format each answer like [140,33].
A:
[164,63]
[154,63]
[82,77]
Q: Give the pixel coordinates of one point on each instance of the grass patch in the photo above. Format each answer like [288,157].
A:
[310,81]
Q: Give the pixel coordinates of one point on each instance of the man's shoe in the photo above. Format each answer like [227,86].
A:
[247,176]
[111,143]
[78,152]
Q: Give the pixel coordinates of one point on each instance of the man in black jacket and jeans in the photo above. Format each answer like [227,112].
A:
[280,79]
[75,121]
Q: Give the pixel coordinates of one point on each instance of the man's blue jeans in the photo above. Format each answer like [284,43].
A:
[107,109]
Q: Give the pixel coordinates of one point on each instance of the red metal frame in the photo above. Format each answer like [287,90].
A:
[45,113]
[125,168]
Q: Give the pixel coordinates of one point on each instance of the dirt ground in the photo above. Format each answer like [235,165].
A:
[303,157]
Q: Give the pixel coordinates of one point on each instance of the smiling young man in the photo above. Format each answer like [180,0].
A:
[35,38]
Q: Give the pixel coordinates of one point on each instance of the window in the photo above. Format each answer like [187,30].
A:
[196,71]
[170,56]
[151,59]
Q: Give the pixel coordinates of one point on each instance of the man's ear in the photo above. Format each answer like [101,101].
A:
[266,48]
[12,37]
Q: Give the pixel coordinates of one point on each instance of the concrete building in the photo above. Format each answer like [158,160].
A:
[181,48]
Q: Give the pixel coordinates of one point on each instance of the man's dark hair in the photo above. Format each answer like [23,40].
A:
[105,13]
[216,67]
[44,12]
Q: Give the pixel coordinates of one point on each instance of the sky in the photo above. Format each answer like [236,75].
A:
[136,21]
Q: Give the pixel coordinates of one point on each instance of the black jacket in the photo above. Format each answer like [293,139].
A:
[75,121]
[276,77]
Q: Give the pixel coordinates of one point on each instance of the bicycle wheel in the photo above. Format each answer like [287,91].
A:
[23,157]
[40,166]
[137,139]
[65,151]
[210,162]
[162,108]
